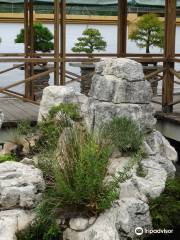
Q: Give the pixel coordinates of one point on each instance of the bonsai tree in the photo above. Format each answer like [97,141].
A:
[90,41]
[42,38]
[149,32]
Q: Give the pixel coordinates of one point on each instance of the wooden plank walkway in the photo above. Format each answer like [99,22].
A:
[15,110]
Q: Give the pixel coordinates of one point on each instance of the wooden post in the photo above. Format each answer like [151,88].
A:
[26,44]
[29,44]
[56,41]
[63,41]
[169,54]
[122,28]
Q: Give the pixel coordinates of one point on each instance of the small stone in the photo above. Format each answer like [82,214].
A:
[78,224]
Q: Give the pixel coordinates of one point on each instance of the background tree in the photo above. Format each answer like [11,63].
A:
[90,41]
[42,38]
[149,32]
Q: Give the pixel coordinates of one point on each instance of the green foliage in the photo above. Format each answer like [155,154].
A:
[25,128]
[69,109]
[124,134]
[7,157]
[166,208]
[140,172]
[90,41]
[149,32]
[42,38]
[44,227]
[79,170]
[58,118]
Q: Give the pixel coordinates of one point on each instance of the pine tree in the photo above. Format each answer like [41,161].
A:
[42,38]
[149,32]
[90,41]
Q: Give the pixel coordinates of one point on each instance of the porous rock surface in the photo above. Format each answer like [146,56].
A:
[119,89]
[54,95]
[21,187]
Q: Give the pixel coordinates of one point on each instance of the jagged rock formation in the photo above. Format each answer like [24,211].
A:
[119,89]
[21,187]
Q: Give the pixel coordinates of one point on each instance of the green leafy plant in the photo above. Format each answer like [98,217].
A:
[90,41]
[43,38]
[124,134]
[149,32]
[7,157]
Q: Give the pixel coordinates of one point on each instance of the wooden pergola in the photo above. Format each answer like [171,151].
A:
[59,58]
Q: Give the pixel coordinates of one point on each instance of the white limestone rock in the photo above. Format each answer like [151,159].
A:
[78,224]
[21,185]
[55,95]
[13,221]
[154,182]
[109,88]
[121,68]
[158,144]
[100,113]
[119,222]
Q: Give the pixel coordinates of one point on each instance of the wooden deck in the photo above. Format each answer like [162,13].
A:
[16,110]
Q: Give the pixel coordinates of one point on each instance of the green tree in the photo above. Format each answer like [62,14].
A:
[42,38]
[149,32]
[90,41]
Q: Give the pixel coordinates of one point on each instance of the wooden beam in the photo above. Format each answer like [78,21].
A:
[63,41]
[122,28]
[169,53]
[56,41]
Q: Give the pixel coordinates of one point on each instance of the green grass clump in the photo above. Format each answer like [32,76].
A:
[69,109]
[7,157]
[79,171]
[124,134]
[166,208]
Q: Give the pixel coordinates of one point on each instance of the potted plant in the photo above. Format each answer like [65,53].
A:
[90,41]
[43,42]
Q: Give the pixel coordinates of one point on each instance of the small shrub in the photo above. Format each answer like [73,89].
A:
[7,157]
[166,208]
[124,134]
[79,171]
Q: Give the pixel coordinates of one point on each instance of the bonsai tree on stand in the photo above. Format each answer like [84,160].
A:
[90,42]
[149,32]
[43,42]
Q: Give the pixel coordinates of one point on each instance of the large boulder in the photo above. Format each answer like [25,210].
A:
[21,186]
[55,95]
[119,89]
